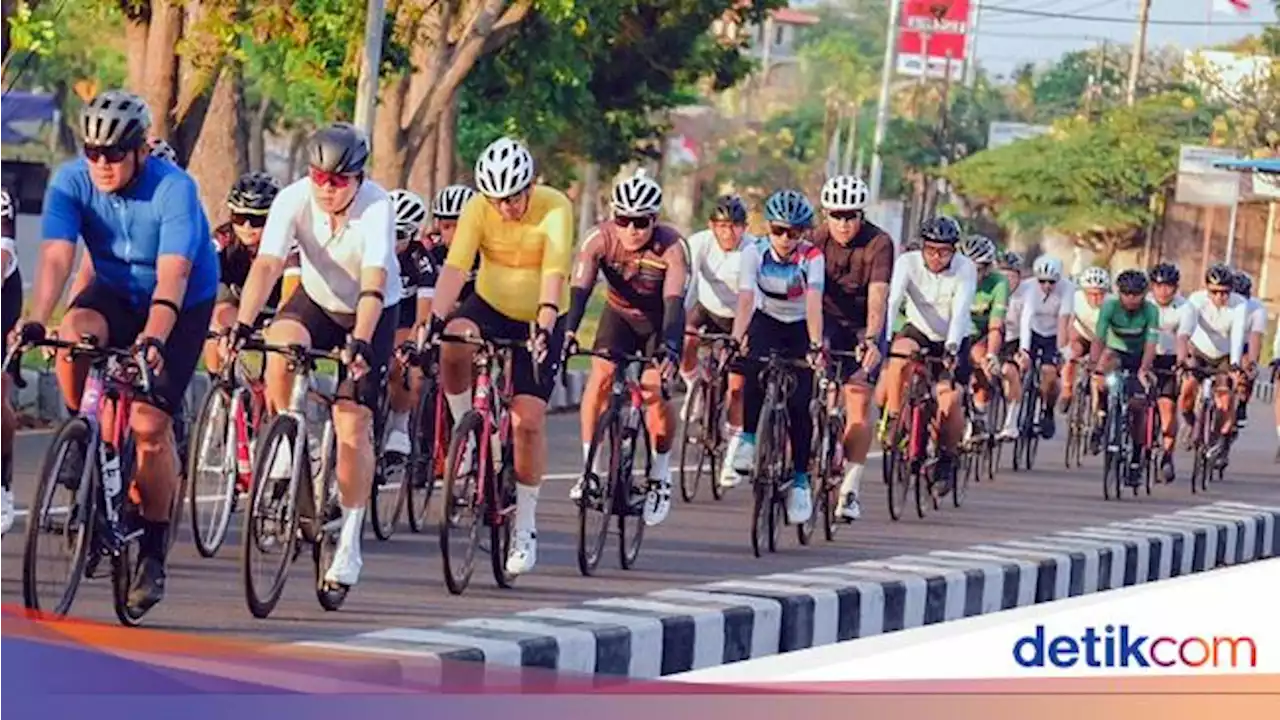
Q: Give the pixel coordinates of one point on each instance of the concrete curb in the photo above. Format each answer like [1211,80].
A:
[679,630]
[41,398]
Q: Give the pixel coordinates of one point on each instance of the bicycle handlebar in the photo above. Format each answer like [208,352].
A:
[88,347]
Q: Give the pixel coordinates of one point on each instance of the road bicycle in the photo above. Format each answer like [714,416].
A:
[389,493]
[623,433]
[1123,461]
[1027,444]
[911,447]
[774,472]
[90,464]
[702,421]
[1208,450]
[1081,416]
[826,461]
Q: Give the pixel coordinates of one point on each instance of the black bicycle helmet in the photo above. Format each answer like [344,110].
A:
[1242,284]
[789,207]
[941,229]
[729,207]
[340,148]
[252,194]
[1219,274]
[1166,273]
[1132,282]
[1010,260]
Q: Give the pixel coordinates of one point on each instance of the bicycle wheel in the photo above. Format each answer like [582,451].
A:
[427,458]
[631,522]
[212,470]
[897,477]
[462,508]
[715,416]
[817,480]
[597,501]
[692,433]
[326,521]
[271,520]
[386,492]
[968,470]
[763,484]
[828,480]
[62,525]
[921,477]
[501,502]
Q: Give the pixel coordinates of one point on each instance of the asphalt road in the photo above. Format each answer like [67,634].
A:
[704,541]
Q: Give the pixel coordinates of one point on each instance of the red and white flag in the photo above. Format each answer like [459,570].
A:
[1236,7]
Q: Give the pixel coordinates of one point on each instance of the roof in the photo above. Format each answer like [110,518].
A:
[1265,165]
[23,113]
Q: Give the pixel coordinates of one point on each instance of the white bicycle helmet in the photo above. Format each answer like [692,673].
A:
[449,202]
[637,196]
[844,192]
[979,249]
[1095,278]
[1048,267]
[116,117]
[410,212]
[7,210]
[504,168]
[162,149]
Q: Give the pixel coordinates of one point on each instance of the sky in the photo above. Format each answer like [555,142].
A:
[1006,40]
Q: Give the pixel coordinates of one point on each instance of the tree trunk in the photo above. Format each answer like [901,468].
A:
[422,174]
[446,143]
[388,135]
[258,136]
[161,86]
[297,141]
[221,154]
[137,28]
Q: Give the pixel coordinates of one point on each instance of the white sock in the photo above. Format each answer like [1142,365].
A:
[1011,418]
[352,522]
[688,377]
[399,421]
[458,404]
[526,508]
[852,479]
[662,466]
[586,451]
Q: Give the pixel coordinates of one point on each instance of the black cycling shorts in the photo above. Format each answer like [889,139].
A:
[329,331]
[493,324]
[1166,379]
[964,363]
[845,338]
[1045,348]
[408,313]
[181,351]
[11,297]
[700,318]
[620,335]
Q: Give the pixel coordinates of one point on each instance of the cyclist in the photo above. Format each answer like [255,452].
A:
[343,226]
[715,256]
[780,307]
[1010,265]
[1094,290]
[155,281]
[1129,329]
[1211,333]
[990,303]
[643,264]
[1044,328]
[1164,295]
[858,258]
[1255,328]
[237,243]
[937,286]
[418,271]
[445,210]
[12,302]
[523,234]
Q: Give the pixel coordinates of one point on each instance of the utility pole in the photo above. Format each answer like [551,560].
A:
[882,108]
[367,90]
[1139,49]
[971,46]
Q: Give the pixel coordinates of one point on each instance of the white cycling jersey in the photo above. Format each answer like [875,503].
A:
[8,247]
[332,261]
[937,303]
[1215,331]
[1043,310]
[1085,318]
[1257,317]
[714,273]
[1170,318]
[1017,303]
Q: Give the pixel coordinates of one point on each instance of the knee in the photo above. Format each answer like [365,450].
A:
[150,428]
[529,424]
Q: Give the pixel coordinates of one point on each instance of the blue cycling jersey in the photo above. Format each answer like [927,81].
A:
[159,213]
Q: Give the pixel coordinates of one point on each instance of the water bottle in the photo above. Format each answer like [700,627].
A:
[111,480]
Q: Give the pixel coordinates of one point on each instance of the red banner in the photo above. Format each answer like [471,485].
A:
[945,23]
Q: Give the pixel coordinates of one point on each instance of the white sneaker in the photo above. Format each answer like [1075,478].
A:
[575,492]
[524,553]
[657,501]
[345,569]
[744,460]
[7,513]
[849,509]
[282,463]
[1009,433]
[799,505]
[398,442]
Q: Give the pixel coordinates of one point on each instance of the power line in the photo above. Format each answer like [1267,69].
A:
[1082,9]
[1126,21]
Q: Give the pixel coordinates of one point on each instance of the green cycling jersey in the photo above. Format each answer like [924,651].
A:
[1128,332]
[990,303]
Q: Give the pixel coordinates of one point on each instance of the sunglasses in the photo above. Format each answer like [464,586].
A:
[792,233]
[639,223]
[253,221]
[1219,291]
[508,200]
[939,252]
[323,177]
[845,215]
[1048,281]
[111,153]
[404,234]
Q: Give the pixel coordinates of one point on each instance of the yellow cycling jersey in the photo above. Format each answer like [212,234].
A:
[516,256]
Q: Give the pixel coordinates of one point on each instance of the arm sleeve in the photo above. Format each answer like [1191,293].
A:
[466,239]
[897,289]
[587,266]
[816,276]
[748,272]
[62,201]
[960,304]
[1239,319]
[1029,306]
[1068,305]
[557,255]
[999,301]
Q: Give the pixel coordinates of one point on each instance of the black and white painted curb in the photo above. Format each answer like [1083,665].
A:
[690,628]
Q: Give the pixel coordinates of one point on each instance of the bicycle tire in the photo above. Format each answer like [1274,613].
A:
[777,516]
[501,502]
[459,563]
[896,474]
[830,495]
[817,480]
[715,421]
[74,432]
[385,501]
[422,476]
[282,428]
[630,524]
[762,487]
[212,421]
[597,501]
[326,511]
[690,481]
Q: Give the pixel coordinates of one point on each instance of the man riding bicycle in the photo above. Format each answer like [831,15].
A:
[937,287]
[1168,301]
[780,308]
[990,302]
[643,264]
[1211,336]
[1042,336]
[715,257]
[1094,291]
[154,284]
[1128,328]
[858,257]
[1255,328]
[342,224]
[523,234]
[1010,265]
